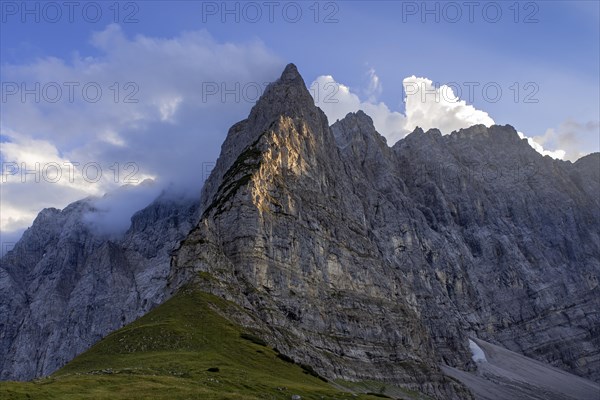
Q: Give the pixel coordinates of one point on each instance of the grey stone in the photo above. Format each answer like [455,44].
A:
[65,287]
[361,260]
[371,262]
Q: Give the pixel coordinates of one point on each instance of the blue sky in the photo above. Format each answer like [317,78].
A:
[547,50]
[559,52]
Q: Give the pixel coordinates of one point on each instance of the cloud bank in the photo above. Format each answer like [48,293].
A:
[159,108]
[154,119]
[112,212]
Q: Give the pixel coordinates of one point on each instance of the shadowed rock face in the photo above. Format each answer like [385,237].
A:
[63,287]
[365,261]
[371,262]
[521,258]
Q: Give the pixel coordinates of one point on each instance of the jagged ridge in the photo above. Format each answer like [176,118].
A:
[337,214]
[372,262]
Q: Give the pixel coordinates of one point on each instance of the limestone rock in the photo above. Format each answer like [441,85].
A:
[361,260]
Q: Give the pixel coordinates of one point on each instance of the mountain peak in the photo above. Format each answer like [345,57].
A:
[361,116]
[291,74]
[356,126]
[288,96]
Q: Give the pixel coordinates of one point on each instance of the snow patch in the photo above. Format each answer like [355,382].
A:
[478,354]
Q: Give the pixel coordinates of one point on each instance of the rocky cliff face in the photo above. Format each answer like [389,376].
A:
[521,257]
[365,261]
[64,287]
[371,262]
[284,226]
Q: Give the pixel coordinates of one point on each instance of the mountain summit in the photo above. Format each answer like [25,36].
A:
[372,263]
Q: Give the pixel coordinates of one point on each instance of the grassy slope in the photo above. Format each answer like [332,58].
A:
[166,355]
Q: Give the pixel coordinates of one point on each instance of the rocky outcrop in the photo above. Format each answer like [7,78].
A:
[377,262]
[64,287]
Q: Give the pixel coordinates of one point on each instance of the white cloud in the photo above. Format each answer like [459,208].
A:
[559,154]
[577,139]
[113,138]
[168,107]
[430,107]
[374,88]
[34,176]
[151,121]
[336,100]
[155,120]
[426,106]
[114,210]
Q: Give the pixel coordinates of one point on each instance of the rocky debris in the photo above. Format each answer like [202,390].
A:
[504,374]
